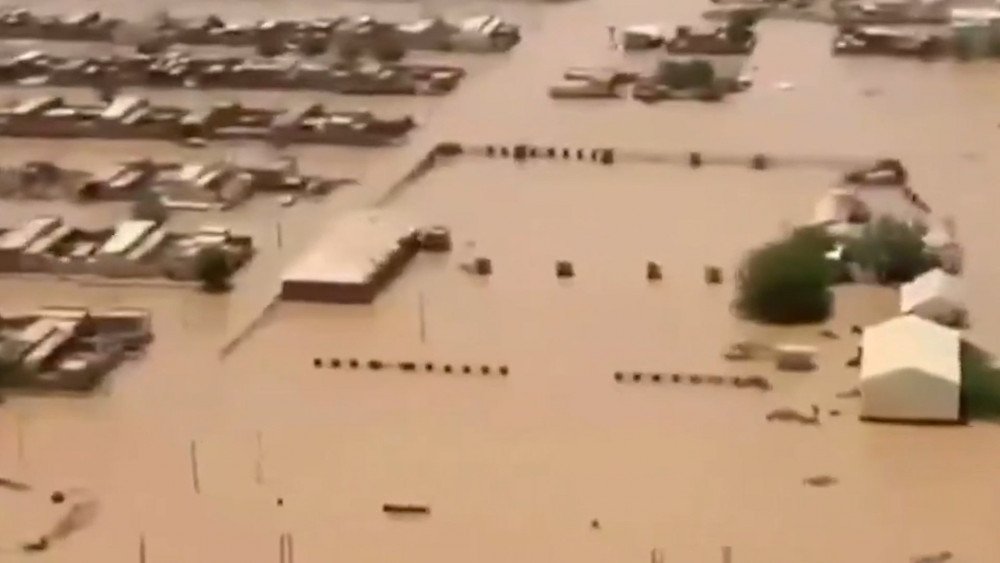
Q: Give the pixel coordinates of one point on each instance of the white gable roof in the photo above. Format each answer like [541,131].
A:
[911,342]
[935,284]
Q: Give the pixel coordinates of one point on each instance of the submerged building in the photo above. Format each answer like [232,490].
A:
[131,249]
[360,254]
[69,348]
[911,372]
[936,296]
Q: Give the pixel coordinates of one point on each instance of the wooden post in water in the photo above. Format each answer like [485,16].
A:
[423,320]
[20,437]
[194,467]
[260,454]
[281,549]
[291,550]
[727,554]
[277,232]
[142,548]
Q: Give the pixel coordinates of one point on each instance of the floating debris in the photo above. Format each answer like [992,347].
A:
[940,557]
[820,481]
[852,393]
[786,414]
[12,485]
[391,508]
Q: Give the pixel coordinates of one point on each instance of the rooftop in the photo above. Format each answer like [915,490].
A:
[911,342]
[353,250]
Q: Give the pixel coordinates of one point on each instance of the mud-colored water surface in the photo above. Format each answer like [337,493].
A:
[515,468]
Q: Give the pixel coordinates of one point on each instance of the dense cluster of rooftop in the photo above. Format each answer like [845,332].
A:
[131,117]
[68,348]
[130,249]
[179,70]
[482,33]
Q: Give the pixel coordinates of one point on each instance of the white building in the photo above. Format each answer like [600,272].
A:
[935,295]
[840,206]
[910,372]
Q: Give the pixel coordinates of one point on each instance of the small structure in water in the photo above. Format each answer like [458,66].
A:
[791,357]
[393,508]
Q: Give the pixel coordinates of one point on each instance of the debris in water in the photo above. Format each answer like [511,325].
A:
[405,508]
[58,497]
[820,481]
[14,485]
[786,414]
[41,545]
[851,393]
[834,412]
[933,558]
[785,86]
[827,333]
[595,524]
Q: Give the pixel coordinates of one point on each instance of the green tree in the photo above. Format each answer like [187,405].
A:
[149,206]
[389,51]
[739,28]
[787,281]
[891,249]
[980,384]
[701,74]
[349,52]
[214,269]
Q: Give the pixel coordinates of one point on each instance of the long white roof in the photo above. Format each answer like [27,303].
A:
[352,251]
[935,284]
[911,342]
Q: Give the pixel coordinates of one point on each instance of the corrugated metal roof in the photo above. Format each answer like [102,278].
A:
[911,342]
[28,232]
[127,234]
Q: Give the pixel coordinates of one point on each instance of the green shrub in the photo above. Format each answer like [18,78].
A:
[893,250]
[686,75]
[788,281]
[149,206]
[980,384]
[214,269]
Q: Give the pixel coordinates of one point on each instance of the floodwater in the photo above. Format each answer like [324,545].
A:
[515,468]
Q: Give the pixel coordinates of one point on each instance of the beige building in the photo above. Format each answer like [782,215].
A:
[911,372]
[936,296]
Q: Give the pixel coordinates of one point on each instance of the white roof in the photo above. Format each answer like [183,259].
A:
[835,206]
[127,234]
[28,232]
[355,248]
[911,342]
[650,30]
[935,284]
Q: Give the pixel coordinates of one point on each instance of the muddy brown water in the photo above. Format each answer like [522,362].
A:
[515,469]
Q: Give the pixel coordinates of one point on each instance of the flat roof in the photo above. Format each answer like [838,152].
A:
[127,234]
[120,106]
[43,243]
[28,232]
[353,250]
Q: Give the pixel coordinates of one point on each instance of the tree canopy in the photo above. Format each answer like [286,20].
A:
[149,206]
[892,249]
[980,384]
[787,281]
[214,269]
[685,75]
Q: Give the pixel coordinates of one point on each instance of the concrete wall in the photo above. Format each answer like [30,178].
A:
[909,395]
